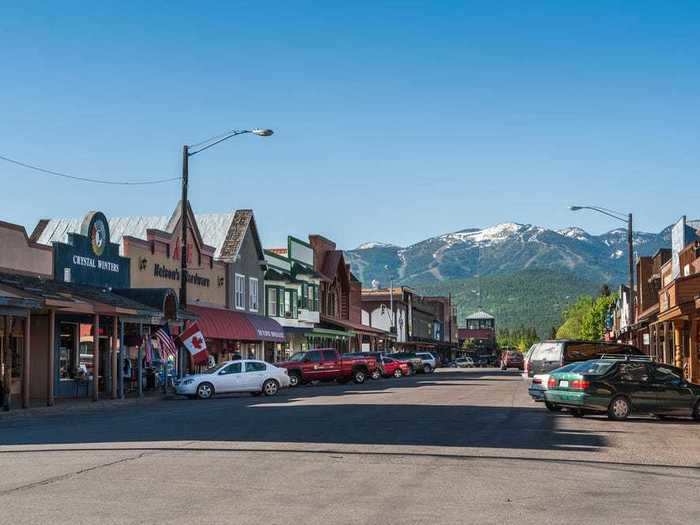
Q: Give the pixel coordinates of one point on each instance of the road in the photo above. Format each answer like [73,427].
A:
[464,446]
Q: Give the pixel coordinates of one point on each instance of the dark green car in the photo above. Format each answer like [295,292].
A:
[620,386]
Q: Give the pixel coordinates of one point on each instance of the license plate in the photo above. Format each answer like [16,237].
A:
[564,384]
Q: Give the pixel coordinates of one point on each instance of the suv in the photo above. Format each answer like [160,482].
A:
[429,361]
[550,355]
[512,359]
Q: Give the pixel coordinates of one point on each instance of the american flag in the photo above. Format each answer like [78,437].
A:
[165,341]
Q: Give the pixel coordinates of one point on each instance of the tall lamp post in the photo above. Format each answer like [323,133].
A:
[187,152]
[630,249]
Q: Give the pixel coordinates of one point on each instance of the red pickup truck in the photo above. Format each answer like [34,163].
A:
[325,364]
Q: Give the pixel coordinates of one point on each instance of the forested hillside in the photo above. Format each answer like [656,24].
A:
[531,298]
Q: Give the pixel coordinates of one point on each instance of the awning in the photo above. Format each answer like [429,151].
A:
[326,332]
[267,329]
[356,327]
[217,323]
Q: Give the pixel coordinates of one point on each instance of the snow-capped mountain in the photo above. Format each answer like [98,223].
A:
[501,249]
[374,244]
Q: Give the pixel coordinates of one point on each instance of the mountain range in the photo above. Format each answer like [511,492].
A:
[503,249]
[525,274]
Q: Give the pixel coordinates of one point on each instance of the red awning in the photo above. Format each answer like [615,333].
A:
[216,323]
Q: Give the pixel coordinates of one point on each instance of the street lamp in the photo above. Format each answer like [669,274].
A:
[187,152]
[628,219]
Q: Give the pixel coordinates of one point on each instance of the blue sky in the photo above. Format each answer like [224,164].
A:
[394,121]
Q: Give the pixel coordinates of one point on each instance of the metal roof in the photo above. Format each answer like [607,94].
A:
[213,227]
[480,315]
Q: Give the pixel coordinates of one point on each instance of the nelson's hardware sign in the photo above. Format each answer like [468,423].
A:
[89,257]
[166,273]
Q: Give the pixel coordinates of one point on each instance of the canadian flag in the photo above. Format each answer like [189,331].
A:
[193,339]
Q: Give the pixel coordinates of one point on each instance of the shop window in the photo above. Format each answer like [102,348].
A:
[239,292]
[253,292]
[68,351]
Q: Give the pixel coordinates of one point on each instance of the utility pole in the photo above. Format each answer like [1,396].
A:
[183,247]
[183,222]
[391,302]
[630,248]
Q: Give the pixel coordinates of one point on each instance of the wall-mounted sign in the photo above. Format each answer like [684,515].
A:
[89,257]
[677,244]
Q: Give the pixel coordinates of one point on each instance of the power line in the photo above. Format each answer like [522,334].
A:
[86,179]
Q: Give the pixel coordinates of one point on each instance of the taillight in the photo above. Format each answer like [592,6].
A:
[537,381]
[579,384]
[552,383]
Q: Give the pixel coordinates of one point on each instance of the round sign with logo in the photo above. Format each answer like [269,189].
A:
[98,236]
[96,228]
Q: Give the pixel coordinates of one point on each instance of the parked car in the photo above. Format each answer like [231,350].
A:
[512,359]
[415,362]
[538,384]
[247,375]
[464,362]
[326,364]
[394,367]
[429,361]
[550,355]
[622,385]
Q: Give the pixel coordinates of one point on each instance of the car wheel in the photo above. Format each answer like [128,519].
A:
[696,412]
[397,373]
[294,379]
[270,387]
[376,374]
[358,376]
[427,369]
[205,391]
[552,407]
[619,408]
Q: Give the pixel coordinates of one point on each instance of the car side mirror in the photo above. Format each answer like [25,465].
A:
[306,360]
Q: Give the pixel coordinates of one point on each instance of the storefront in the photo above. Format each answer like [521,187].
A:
[231,334]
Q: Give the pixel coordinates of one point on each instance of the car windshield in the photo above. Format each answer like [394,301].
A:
[214,369]
[298,356]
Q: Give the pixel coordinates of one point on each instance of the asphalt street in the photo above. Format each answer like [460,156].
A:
[457,446]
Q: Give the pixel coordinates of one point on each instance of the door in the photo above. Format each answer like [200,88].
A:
[330,364]
[673,394]
[254,376]
[228,379]
[312,365]
[635,381]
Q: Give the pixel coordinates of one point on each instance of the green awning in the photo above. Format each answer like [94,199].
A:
[326,332]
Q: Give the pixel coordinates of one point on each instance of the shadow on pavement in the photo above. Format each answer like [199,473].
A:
[300,417]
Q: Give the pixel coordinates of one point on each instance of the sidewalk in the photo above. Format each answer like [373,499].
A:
[70,405]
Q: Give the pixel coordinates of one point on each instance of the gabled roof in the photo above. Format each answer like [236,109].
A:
[226,231]
[334,259]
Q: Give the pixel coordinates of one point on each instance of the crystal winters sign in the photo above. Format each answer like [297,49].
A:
[89,257]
